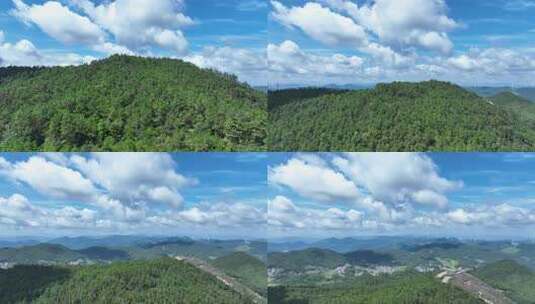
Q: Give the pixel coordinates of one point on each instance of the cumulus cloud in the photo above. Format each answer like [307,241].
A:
[133,177]
[288,58]
[283,214]
[140,24]
[366,191]
[398,178]
[24,53]
[59,22]
[313,179]
[320,23]
[245,63]
[493,216]
[17,211]
[112,191]
[493,61]
[50,178]
[221,214]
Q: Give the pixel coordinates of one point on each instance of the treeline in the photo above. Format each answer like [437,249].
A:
[129,104]
[158,281]
[426,116]
[401,288]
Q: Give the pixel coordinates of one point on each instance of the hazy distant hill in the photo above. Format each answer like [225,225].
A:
[92,250]
[527,93]
[158,281]
[129,104]
[398,116]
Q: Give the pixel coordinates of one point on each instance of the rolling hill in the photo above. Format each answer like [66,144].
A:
[158,281]
[403,288]
[426,116]
[516,280]
[246,269]
[126,103]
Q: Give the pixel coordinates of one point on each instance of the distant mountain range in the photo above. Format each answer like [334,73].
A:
[417,270]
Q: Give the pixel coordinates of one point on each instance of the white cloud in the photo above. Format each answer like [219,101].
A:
[17,211]
[59,22]
[24,53]
[133,177]
[312,180]
[493,216]
[282,213]
[246,64]
[50,179]
[397,178]
[320,23]
[140,24]
[494,61]
[288,58]
[217,215]
[404,23]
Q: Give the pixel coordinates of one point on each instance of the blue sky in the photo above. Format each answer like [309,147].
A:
[227,35]
[465,195]
[192,194]
[475,42]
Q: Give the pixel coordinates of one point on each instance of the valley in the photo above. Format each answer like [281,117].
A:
[438,271]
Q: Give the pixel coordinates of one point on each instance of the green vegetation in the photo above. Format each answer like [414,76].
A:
[248,270]
[129,104]
[427,116]
[298,260]
[159,281]
[400,288]
[516,280]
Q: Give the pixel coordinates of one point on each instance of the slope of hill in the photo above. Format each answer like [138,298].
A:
[39,253]
[517,105]
[405,288]
[396,117]
[158,281]
[129,104]
[516,280]
[246,269]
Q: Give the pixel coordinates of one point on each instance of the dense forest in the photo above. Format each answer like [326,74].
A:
[426,116]
[401,288]
[128,103]
[158,281]
[245,268]
[516,280]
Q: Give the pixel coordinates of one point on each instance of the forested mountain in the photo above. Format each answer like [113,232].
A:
[158,281]
[402,288]
[426,116]
[247,269]
[48,253]
[516,280]
[129,104]
[518,106]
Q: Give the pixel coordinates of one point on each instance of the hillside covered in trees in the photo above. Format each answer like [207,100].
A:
[516,280]
[164,280]
[128,103]
[401,288]
[426,116]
